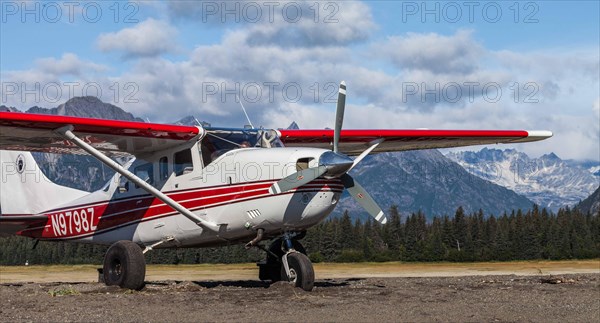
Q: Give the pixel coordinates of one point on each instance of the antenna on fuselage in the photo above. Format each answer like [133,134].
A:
[245,113]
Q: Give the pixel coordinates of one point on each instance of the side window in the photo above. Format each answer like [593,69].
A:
[183,162]
[163,168]
[207,149]
[145,172]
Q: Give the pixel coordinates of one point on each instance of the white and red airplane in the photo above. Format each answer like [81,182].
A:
[198,187]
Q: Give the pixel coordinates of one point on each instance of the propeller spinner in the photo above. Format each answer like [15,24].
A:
[335,165]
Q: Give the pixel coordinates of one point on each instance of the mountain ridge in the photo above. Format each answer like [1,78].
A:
[547,180]
[591,204]
[87,106]
[425,180]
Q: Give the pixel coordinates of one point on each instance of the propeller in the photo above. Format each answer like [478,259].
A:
[363,198]
[333,164]
[339,116]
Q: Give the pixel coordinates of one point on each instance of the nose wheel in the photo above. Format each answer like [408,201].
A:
[287,261]
[299,270]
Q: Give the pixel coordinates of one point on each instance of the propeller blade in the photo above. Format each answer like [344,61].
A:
[297,179]
[363,198]
[339,115]
[365,153]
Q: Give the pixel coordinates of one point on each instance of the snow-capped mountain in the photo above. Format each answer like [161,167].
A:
[426,180]
[192,121]
[293,126]
[592,166]
[548,180]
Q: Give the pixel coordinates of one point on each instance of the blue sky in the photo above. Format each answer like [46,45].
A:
[404,69]
[559,24]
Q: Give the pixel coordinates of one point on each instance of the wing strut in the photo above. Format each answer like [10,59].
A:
[67,132]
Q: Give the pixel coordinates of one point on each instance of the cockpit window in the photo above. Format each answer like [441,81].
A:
[145,172]
[233,139]
[219,141]
[183,162]
[163,168]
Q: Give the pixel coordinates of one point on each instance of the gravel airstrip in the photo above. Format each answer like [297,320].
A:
[394,293]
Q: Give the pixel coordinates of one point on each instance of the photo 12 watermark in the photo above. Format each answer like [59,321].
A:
[253,92]
[68,11]
[470,11]
[519,172]
[55,92]
[453,92]
[268,11]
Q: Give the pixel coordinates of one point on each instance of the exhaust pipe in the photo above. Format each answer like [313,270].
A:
[255,241]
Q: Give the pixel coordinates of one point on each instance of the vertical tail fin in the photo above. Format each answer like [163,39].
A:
[24,189]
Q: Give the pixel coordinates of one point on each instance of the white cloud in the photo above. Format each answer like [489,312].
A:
[68,64]
[585,62]
[352,22]
[296,23]
[148,38]
[457,53]
[594,132]
[52,81]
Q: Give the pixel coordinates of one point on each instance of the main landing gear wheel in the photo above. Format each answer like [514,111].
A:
[124,265]
[302,273]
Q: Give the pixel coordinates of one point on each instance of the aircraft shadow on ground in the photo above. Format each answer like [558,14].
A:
[258,284]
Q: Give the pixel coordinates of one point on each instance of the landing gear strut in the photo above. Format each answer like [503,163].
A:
[124,265]
[286,260]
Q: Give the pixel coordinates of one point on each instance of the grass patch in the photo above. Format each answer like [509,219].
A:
[63,292]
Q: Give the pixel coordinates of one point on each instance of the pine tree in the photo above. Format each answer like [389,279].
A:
[346,238]
[330,247]
[435,250]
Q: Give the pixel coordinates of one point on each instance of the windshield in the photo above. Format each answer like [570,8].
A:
[219,141]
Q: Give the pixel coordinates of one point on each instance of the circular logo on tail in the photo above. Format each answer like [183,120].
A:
[20,164]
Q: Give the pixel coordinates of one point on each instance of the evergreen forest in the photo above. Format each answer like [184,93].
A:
[520,235]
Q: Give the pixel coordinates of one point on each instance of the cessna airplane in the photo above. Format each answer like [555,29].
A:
[184,186]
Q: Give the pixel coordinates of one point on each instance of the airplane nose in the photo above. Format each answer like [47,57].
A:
[336,164]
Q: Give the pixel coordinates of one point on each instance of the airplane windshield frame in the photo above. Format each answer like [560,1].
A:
[218,141]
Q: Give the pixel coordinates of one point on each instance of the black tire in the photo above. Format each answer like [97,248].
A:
[124,265]
[301,270]
[273,267]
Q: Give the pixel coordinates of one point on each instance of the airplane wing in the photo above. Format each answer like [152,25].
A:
[353,142]
[10,225]
[35,132]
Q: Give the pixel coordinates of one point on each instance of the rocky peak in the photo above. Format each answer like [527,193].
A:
[4,108]
[87,106]
[548,180]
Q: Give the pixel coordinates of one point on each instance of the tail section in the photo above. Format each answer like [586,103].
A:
[25,190]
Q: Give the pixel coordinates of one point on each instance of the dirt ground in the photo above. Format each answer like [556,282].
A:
[378,296]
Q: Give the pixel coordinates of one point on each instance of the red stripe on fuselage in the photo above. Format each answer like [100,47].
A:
[108,215]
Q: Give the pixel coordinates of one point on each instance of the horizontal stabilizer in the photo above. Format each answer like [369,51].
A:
[9,225]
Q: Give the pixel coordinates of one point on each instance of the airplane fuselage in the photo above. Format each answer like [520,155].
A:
[231,191]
